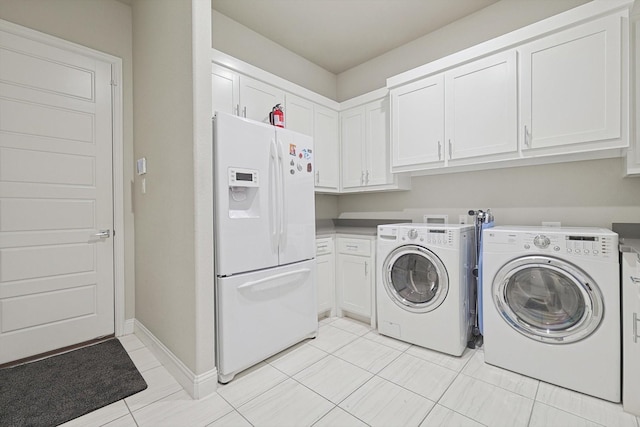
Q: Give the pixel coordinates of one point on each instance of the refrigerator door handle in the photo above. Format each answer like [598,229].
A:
[283,211]
[274,171]
[290,278]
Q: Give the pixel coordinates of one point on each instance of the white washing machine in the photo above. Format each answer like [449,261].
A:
[424,278]
[551,300]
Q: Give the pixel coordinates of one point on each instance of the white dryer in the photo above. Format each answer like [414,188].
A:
[424,278]
[551,300]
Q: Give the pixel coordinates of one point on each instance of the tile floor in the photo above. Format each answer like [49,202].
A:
[352,376]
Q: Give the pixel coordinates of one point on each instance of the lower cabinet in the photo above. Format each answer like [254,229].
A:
[326,277]
[355,278]
[631,331]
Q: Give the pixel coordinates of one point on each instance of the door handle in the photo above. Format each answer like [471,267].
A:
[103,234]
[635,280]
[439,150]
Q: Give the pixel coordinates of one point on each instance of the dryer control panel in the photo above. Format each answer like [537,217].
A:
[431,236]
[578,244]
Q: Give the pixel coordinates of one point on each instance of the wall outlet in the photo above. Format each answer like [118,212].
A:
[462,219]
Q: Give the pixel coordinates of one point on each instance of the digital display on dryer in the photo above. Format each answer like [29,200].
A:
[437,231]
[583,238]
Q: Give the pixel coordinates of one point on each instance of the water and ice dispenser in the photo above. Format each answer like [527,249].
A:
[244,200]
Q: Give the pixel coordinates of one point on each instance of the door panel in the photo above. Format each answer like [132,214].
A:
[56,276]
[297,242]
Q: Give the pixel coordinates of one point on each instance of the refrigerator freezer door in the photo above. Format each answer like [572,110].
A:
[262,313]
[297,228]
[245,185]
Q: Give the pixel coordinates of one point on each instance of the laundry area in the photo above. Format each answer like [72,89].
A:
[321,213]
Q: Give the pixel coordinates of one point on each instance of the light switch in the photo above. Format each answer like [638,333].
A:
[141,166]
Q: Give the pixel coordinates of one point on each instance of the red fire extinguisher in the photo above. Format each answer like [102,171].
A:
[276,116]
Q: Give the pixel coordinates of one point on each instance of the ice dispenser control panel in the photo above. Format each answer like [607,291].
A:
[243,193]
[243,177]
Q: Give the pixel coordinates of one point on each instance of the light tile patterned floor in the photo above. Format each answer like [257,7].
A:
[352,376]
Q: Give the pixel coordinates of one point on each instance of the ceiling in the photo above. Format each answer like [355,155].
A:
[340,34]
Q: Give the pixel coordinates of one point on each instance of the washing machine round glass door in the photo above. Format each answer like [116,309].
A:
[547,299]
[415,278]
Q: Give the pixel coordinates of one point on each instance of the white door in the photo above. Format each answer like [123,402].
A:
[246,212]
[257,99]
[571,86]
[481,107]
[225,90]
[56,273]
[299,114]
[297,226]
[326,142]
[417,126]
[352,125]
[377,143]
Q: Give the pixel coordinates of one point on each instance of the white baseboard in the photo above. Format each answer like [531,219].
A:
[198,386]
[128,327]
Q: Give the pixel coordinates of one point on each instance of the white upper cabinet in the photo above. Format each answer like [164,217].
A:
[466,112]
[225,85]
[633,155]
[364,137]
[571,89]
[326,141]
[257,99]
[418,124]
[241,95]
[320,123]
[298,114]
[352,136]
[481,105]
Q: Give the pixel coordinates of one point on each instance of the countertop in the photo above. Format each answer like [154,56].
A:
[628,236]
[362,227]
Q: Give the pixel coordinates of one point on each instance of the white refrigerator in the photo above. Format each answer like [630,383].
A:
[264,241]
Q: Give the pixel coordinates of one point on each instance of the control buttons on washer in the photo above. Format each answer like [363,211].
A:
[413,233]
[541,241]
[556,248]
[586,251]
[595,252]
[527,246]
[577,251]
[568,250]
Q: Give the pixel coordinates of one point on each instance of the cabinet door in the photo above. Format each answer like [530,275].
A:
[571,86]
[326,139]
[378,171]
[481,107]
[417,126]
[298,114]
[257,99]
[225,89]
[326,283]
[354,284]
[352,124]
[631,331]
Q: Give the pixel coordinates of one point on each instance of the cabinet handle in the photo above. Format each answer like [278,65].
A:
[527,142]
[635,280]
[361,177]
[450,150]
[439,150]
[244,112]
[237,109]
[366,181]
[635,328]
[317,177]
[352,247]
[366,268]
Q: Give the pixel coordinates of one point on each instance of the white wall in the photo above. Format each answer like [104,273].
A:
[106,26]
[490,22]
[587,193]
[235,39]
[164,134]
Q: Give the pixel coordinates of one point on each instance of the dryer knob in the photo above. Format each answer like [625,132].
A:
[413,233]
[541,241]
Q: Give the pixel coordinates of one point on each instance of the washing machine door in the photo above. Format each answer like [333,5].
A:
[547,299]
[415,278]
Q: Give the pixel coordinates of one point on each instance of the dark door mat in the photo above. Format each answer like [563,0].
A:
[60,388]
